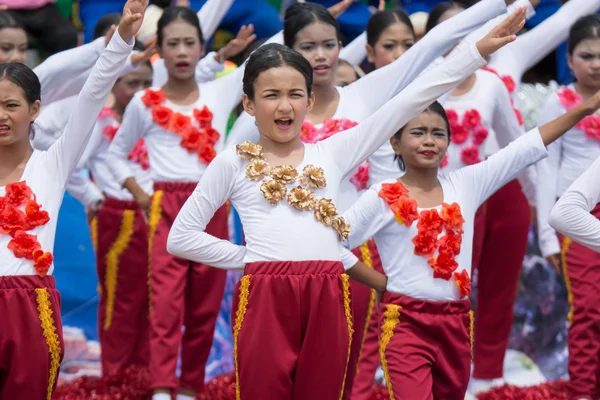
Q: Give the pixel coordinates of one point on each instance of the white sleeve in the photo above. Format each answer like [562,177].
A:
[66,152]
[547,182]
[187,238]
[243,129]
[83,189]
[160,75]
[43,139]
[131,130]
[208,68]
[211,14]
[64,66]
[356,51]
[365,217]
[571,214]
[378,87]
[354,145]
[348,258]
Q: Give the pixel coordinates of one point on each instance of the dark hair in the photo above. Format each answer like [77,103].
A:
[381,20]
[354,69]
[300,15]
[7,21]
[435,108]
[22,76]
[104,24]
[275,55]
[173,13]
[436,13]
[586,27]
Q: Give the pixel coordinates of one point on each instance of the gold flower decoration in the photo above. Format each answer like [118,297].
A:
[256,169]
[285,173]
[313,177]
[301,199]
[325,211]
[273,190]
[342,227]
[249,150]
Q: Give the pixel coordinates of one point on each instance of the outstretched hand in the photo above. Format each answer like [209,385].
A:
[147,54]
[243,39]
[338,9]
[133,16]
[502,34]
[593,104]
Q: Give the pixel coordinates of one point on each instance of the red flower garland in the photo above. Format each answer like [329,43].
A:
[590,124]
[139,154]
[510,85]
[200,139]
[310,134]
[16,222]
[429,226]
[471,126]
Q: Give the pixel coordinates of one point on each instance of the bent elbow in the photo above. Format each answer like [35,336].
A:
[557,219]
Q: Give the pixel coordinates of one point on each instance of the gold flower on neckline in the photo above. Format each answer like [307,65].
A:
[313,177]
[249,150]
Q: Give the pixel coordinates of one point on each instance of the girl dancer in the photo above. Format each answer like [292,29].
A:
[182,124]
[32,185]
[566,162]
[423,225]
[284,297]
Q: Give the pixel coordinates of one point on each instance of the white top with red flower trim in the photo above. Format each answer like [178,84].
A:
[571,214]
[568,158]
[362,98]
[282,232]
[464,190]
[170,161]
[46,174]
[481,122]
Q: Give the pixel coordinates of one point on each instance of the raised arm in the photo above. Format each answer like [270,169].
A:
[211,14]
[571,215]
[187,238]
[356,51]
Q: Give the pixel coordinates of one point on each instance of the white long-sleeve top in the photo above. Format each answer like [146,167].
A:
[489,99]
[410,274]
[568,158]
[46,172]
[281,232]
[571,214]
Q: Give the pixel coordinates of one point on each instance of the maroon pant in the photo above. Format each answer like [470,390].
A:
[425,347]
[31,339]
[499,246]
[292,329]
[360,368]
[122,266]
[362,387]
[582,276]
[182,293]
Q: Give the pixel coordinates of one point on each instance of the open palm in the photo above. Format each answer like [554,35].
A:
[133,16]
[503,33]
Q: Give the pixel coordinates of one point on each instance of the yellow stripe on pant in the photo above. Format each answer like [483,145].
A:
[391,318]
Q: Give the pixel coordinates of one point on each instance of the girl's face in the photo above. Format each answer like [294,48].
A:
[281,101]
[16,114]
[13,45]
[344,75]
[394,41]
[585,62]
[423,142]
[181,49]
[318,43]
[131,83]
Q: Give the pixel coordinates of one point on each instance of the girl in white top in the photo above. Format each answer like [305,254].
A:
[568,158]
[423,225]
[571,215]
[183,125]
[292,258]
[31,189]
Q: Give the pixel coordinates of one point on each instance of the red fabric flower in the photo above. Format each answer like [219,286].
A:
[206,153]
[35,215]
[153,98]
[12,220]
[405,211]
[23,245]
[471,119]
[444,162]
[430,221]
[308,133]
[443,265]
[139,154]
[161,115]
[452,217]
[460,134]
[191,139]
[391,192]
[18,193]
[450,242]
[452,117]
[519,116]
[591,126]
[43,262]
[212,135]
[480,133]
[569,98]
[110,131]
[463,281]
[106,112]
[425,243]
[178,123]
[204,117]
[470,155]
[361,178]
[509,83]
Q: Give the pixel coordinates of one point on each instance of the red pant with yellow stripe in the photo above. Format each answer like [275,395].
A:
[292,328]
[425,347]
[182,293]
[581,267]
[122,266]
[31,340]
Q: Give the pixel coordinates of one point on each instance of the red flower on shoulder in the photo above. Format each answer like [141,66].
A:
[206,153]
[42,262]
[479,135]
[153,97]
[459,133]
[591,126]
[178,122]
[110,131]
[18,193]
[451,242]
[569,98]
[425,243]
[212,135]
[161,116]
[12,220]
[391,192]
[443,265]
[444,162]
[452,117]
[23,245]
[463,281]
[452,217]
[204,117]
[430,221]
[308,133]
[405,211]
[471,119]
[470,155]
[35,215]
[361,178]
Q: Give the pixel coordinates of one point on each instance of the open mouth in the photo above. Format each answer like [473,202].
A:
[283,123]
[182,66]
[4,129]
[321,69]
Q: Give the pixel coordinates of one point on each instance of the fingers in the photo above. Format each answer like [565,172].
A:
[381,6]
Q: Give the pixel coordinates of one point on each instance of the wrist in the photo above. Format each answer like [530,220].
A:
[222,55]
